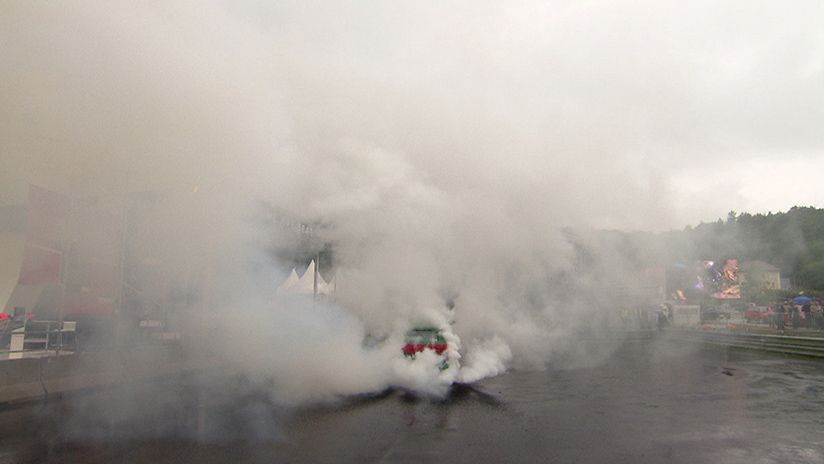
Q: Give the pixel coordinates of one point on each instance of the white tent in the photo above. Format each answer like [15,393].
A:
[289,284]
[306,285]
[323,287]
[329,288]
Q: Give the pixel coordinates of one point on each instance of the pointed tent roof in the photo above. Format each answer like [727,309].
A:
[328,287]
[323,286]
[305,285]
[337,277]
[307,281]
[290,283]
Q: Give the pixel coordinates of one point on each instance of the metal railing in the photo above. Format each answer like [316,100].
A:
[42,338]
[35,336]
[781,344]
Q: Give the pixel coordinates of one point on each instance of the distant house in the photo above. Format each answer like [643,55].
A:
[758,274]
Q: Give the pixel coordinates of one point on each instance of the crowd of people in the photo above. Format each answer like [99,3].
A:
[808,315]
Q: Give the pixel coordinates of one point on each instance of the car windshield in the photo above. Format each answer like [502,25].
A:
[424,337]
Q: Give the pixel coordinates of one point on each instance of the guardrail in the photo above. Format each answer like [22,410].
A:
[39,358]
[35,378]
[781,344]
[41,337]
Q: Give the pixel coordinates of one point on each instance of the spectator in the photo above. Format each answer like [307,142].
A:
[818,317]
[779,317]
[807,320]
[796,317]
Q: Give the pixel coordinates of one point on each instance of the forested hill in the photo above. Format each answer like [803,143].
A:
[793,241]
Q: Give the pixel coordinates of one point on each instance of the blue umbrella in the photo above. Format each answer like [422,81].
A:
[802,300]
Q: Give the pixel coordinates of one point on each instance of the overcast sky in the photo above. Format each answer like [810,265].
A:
[638,115]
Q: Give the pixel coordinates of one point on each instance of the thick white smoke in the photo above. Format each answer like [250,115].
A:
[446,145]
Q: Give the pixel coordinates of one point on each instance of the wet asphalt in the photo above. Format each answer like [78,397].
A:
[651,401]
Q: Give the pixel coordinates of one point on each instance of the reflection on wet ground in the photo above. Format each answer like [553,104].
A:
[651,401]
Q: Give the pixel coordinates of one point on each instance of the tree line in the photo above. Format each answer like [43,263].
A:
[793,241]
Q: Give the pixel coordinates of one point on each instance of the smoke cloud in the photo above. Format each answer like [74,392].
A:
[448,147]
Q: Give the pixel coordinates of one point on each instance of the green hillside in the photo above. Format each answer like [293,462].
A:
[793,241]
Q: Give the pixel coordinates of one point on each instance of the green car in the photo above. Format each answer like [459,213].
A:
[425,338]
